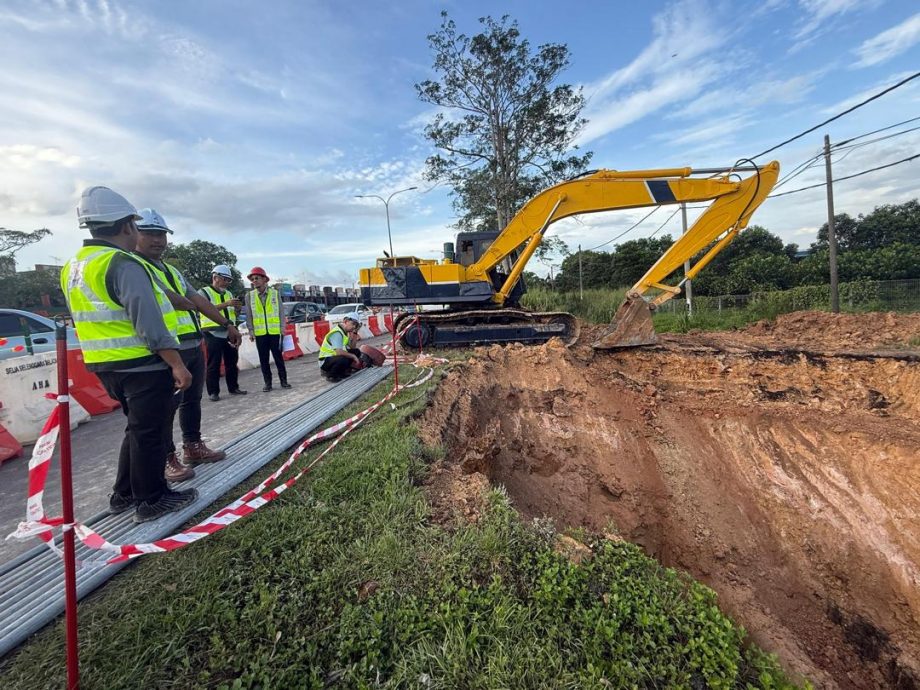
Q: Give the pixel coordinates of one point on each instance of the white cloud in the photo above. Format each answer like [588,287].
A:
[889,43]
[818,12]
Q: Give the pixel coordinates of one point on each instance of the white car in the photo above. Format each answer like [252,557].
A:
[337,314]
[19,329]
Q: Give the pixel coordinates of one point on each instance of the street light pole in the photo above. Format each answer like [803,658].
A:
[386,204]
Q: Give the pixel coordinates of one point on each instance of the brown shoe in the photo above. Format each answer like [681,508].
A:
[196,452]
[176,471]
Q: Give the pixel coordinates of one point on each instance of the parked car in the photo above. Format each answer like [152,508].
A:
[336,314]
[15,324]
[302,312]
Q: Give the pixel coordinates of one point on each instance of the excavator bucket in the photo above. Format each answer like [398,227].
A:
[631,326]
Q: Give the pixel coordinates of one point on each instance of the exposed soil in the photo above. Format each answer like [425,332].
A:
[780,468]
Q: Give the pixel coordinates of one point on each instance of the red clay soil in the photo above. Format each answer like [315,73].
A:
[788,481]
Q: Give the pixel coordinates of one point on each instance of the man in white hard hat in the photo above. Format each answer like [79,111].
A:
[151,244]
[336,359]
[127,329]
[217,336]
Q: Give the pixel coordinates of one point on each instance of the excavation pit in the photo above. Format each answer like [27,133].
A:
[785,478]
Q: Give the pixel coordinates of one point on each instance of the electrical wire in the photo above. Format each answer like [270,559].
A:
[873,141]
[630,228]
[875,131]
[847,177]
[839,115]
[665,223]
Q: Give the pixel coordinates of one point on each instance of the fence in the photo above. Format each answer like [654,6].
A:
[864,295]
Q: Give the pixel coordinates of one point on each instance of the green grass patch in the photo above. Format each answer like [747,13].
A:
[345,582]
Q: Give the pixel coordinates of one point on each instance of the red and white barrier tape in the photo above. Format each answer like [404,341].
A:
[40,526]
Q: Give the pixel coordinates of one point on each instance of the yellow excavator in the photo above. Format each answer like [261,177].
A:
[478,281]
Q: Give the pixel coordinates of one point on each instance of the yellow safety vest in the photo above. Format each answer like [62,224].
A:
[216,298]
[265,318]
[326,350]
[187,324]
[107,335]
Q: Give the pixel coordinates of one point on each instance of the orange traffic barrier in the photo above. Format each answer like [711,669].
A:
[388,322]
[374,325]
[320,329]
[290,331]
[86,387]
[9,447]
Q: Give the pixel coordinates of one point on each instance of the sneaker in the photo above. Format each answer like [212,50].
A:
[176,471]
[119,504]
[266,388]
[285,384]
[214,397]
[169,502]
[238,391]
[196,453]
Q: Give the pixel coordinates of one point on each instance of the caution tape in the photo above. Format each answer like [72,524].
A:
[38,525]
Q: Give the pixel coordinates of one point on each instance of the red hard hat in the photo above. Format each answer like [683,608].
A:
[257,271]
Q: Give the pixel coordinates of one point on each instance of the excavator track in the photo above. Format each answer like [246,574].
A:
[486,326]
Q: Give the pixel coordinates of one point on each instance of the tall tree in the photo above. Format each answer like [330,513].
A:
[197,258]
[508,131]
[11,241]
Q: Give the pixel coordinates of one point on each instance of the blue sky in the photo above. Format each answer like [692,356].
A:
[254,125]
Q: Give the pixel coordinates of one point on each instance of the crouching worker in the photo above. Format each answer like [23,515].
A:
[336,358]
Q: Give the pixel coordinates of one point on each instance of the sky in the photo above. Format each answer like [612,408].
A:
[256,125]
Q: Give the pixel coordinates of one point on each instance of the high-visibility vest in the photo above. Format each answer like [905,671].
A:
[187,323]
[107,335]
[216,298]
[265,317]
[326,350]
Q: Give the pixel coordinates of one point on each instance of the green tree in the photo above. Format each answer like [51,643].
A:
[884,226]
[25,290]
[197,258]
[514,129]
[11,241]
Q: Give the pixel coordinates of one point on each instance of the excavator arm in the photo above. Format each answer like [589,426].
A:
[607,190]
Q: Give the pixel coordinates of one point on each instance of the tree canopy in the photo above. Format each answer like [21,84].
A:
[506,130]
[197,259]
[11,241]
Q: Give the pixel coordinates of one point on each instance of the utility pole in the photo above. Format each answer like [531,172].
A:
[831,234]
[688,286]
[581,285]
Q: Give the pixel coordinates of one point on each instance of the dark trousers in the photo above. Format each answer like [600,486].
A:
[219,349]
[339,366]
[271,342]
[188,401]
[147,401]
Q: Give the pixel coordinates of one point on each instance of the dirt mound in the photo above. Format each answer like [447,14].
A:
[821,330]
[789,483]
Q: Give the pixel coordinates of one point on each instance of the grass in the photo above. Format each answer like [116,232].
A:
[345,582]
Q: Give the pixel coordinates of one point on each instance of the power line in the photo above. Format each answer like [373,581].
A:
[837,147]
[665,223]
[632,227]
[848,177]
[875,131]
[839,115]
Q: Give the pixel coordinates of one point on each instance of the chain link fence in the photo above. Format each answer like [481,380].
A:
[858,296]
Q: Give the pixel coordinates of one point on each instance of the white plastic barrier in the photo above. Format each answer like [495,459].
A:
[24,381]
[306,334]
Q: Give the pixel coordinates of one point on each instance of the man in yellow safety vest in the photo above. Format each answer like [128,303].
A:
[127,330]
[216,335]
[151,245]
[266,321]
[337,356]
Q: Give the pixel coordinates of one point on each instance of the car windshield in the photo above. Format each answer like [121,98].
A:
[345,308]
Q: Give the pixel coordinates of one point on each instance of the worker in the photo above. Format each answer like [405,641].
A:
[127,330]
[151,244]
[216,335]
[336,359]
[263,305]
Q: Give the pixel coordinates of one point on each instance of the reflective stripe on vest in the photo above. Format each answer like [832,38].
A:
[326,350]
[106,333]
[216,298]
[186,323]
[266,316]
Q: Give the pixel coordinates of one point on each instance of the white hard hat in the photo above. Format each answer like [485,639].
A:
[103,206]
[222,270]
[152,221]
[353,316]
